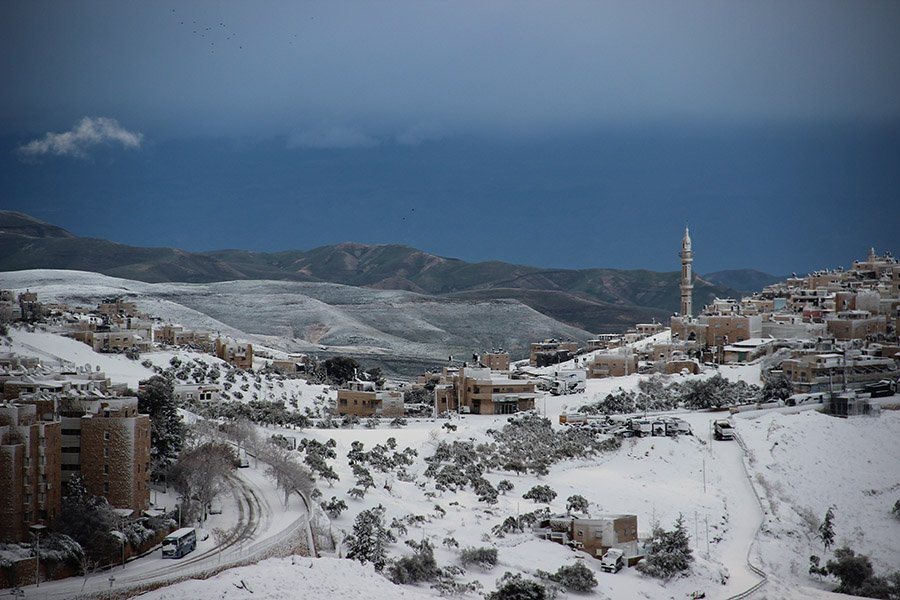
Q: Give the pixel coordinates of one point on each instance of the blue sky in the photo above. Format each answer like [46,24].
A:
[576,134]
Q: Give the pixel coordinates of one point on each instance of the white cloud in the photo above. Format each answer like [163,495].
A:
[336,137]
[88,132]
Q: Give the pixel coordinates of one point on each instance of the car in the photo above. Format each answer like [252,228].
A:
[723,430]
[612,561]
[885,387]
[215,507]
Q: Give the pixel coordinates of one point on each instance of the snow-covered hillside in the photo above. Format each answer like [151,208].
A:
[385,324]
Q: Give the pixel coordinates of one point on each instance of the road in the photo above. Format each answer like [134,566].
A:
[262,522]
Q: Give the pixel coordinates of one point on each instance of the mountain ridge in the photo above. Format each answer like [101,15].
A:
[599,300]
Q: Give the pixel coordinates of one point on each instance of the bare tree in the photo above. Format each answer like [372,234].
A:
[289,475]
[201,473]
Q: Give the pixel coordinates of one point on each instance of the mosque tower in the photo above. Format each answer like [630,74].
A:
[687,287]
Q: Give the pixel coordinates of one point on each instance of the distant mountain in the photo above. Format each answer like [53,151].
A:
[595,300]
[743,280]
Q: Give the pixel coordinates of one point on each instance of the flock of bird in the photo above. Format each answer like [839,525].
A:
[217,32]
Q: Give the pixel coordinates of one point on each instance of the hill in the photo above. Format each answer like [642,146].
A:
[595,300]
[744,280]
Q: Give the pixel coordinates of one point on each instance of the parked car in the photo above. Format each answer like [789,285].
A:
[215,507]
[885,387]
[612,561]
[723,430]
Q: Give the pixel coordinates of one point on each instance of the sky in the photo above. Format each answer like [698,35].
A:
[557,134]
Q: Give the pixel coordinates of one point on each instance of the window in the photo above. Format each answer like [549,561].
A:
[105,435]
[105,452]
[106,469]
[106,487]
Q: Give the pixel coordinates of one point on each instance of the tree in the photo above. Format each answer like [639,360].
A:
[368,541]
[851,568]
[421,566]
[89,520]
[340,369]
[540,493]
[289,475]
[201,472]
[896,510]
[668,552]
[516,587]
[506,486]
[777,387]
[826,529]
[575,578]
[577,503]
[167,430]
[334,507]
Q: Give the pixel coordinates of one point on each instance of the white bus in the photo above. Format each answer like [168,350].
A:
[179,542]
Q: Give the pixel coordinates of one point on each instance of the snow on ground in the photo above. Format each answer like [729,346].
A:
[291,578]
[802,464]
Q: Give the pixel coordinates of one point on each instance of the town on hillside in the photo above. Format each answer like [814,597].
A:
[75,443]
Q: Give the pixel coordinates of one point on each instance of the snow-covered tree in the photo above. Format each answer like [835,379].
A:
[575,578]
[577,503]
[368,541]
[167,430]
[826,529]
[506,486]
[540,493]
[668,552]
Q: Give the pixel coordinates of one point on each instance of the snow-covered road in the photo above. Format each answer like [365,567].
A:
[261,522]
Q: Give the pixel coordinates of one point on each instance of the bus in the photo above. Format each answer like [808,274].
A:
[179,542]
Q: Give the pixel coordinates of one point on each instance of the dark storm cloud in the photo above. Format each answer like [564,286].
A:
[378,71]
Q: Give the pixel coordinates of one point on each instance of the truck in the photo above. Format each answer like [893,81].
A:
[723,429]
[568,382]
[612,561]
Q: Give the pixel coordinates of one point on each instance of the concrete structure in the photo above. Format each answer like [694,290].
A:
[108,442]
[480,391]
[551,352]
[495,361]
[687,283]
[594,536]
[203,392]
[239,355]
[30,486]
[362,399]
[612,364]
[824,372]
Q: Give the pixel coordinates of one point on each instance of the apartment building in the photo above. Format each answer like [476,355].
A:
[30,471]
[107,442]
[823,372]
[612,364]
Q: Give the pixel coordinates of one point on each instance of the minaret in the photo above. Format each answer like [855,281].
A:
[687,286]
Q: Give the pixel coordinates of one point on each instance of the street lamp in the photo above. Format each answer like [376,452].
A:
[36,531]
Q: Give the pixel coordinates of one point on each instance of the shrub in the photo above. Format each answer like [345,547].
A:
[421,566]
[540,493]
[575,578]
[516,587]
[486,558]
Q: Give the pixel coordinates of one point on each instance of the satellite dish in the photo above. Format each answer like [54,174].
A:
[87,367]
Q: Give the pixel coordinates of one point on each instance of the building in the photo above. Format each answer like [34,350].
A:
[825,372]
[495,361]
[363,399]
[594,536]
[551,352]
[613,364]
[202,392]
[107,442]
[480,391]
[239,355]
[30,485]
[687,279]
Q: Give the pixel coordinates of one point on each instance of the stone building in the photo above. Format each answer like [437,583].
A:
[30,484]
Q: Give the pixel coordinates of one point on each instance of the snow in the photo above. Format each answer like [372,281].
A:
[800,462]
